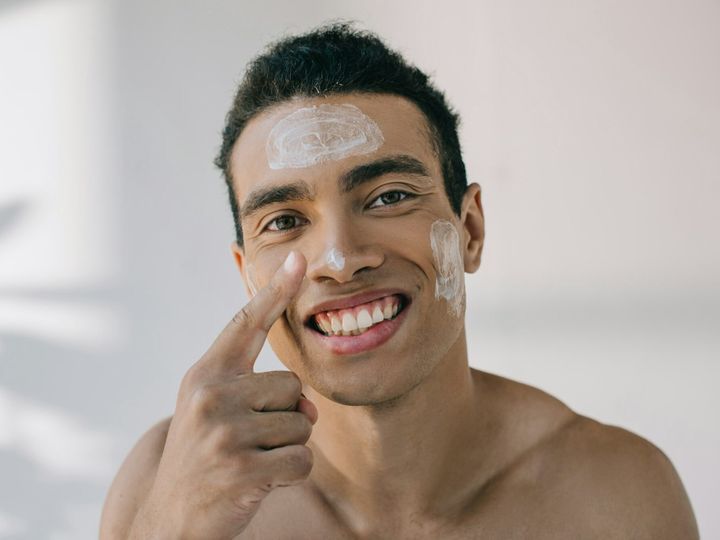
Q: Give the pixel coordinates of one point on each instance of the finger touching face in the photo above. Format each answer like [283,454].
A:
[235,350]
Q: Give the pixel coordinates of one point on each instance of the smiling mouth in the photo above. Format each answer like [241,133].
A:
[357,320]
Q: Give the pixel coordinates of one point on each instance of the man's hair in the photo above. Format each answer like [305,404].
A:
[340,59]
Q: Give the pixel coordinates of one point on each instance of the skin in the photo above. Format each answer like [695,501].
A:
[407,441]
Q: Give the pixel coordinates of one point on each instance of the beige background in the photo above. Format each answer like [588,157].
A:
[593,128]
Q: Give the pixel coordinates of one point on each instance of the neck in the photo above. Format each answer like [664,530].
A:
[411,455]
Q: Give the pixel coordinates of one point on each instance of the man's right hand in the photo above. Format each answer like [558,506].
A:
[235,435]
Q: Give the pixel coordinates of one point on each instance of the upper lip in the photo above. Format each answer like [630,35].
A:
[354,300]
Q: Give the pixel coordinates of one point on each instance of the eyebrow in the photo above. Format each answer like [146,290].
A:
[301,191]
[295,191]
[402,164]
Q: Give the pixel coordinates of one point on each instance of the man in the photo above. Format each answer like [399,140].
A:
[355,225]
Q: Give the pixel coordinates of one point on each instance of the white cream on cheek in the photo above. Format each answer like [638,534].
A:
[335,259]
[320,133]
[449,267]
[251,279]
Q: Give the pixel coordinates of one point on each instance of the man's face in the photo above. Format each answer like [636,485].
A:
[376,228]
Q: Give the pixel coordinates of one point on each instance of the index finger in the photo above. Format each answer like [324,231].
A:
[234,351]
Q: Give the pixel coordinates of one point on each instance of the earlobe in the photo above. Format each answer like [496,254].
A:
[473,222]
[238,256]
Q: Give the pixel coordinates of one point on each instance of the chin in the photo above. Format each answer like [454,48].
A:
[364,399]
[381,389]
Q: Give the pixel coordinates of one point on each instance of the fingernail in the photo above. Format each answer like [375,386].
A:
[290,262]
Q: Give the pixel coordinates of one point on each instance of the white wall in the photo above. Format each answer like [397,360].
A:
[593,128]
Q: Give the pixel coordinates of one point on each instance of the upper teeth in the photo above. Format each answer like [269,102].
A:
[364,320]
[358,319]
[349,323]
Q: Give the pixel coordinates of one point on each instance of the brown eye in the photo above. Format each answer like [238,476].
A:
[283,223]
[389,198]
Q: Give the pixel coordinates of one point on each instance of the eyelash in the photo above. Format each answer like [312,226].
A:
[284,216]
[405,196]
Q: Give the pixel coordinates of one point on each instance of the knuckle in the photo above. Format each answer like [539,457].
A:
[204,401]
[248,502]
[245,381]
[241,459]
[273,289]
[293,381]
[246,387]
[246,318]
[224,438]
[307,427]
[299,460]
[299,425]
[191,379]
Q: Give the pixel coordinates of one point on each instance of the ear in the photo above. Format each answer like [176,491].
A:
[473,221]
[241,263]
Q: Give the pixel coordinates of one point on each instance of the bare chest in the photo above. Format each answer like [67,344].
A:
[507,512]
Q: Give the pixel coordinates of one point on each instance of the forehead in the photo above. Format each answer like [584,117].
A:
[402,124]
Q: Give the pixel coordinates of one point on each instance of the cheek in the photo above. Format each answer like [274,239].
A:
[260,269]
[408,242]
[251,275]
[287,348]
[448,263]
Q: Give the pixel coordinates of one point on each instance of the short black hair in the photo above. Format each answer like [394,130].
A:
[337,58]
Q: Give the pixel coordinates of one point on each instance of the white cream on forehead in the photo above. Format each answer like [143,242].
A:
[320,133]
[449,282]
[335,259]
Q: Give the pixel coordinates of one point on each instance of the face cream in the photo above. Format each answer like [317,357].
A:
[320,133]
[335,259]
[449,283]
[252,284]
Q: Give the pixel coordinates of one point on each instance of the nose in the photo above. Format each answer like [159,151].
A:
[340,253]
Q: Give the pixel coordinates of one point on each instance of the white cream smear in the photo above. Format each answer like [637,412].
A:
[250,274]
[320,133]
[335,259]
[449,283]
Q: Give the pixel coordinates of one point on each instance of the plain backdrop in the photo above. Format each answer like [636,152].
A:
[593,128]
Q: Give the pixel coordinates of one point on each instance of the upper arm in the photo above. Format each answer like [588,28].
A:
[132,483]
[672,512]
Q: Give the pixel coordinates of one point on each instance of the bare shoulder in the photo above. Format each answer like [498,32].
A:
[581,478]
[622,484]
[133,482]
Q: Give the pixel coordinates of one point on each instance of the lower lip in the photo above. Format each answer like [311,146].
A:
[376,336]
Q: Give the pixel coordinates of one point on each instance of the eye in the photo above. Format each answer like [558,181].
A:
[285,222]
[389,198]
